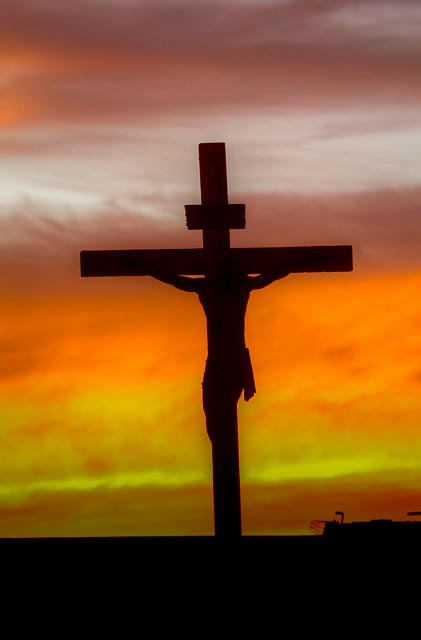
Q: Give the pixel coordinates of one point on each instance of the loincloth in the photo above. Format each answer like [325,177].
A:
[229,375]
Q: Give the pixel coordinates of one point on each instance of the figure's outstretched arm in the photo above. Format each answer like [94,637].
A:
[180,282]
[261,281]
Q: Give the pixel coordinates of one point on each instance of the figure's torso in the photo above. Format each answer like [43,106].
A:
[225,304]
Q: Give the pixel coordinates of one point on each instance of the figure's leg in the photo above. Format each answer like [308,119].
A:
[222,427]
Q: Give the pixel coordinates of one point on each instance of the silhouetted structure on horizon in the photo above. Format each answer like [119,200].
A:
[381,529]
[223,291]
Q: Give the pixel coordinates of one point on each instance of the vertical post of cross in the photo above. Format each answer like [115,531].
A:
[216,245]
[214,191]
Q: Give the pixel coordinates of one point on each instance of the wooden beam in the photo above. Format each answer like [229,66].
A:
[213,173]
[140,262]
[295,259]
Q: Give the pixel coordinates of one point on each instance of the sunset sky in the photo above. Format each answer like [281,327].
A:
[102,106]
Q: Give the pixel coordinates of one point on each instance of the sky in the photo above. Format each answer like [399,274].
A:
[102,106]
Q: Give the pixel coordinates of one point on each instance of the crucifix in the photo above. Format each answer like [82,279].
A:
[223,289]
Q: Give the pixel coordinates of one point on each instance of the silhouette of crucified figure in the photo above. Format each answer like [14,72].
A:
[228,369]
[228,373]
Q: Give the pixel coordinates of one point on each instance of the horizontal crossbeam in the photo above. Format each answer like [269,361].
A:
[295,259]
[141,262]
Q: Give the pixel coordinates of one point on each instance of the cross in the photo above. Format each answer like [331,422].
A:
[223,291]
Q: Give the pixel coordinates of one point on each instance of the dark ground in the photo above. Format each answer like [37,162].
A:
[269,555]
[284,585]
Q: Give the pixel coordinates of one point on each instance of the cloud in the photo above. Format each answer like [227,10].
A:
[38,250]
[383,226]
[274,509]
[192,26]
[141,511]
[73,61]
